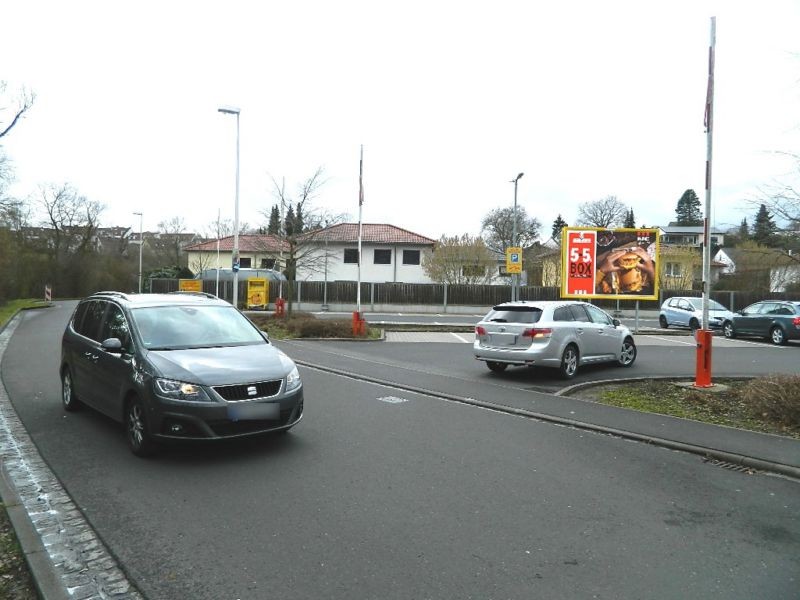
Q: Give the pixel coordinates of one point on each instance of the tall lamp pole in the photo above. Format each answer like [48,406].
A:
[325,287]
[141,244]
[515,277]
[228,110]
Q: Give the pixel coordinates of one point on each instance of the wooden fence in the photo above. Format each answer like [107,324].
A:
[433,294]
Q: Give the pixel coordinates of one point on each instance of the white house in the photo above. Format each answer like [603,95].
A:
[389,254]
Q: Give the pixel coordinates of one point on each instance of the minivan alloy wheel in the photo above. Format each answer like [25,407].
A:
[139,439]
[68,398]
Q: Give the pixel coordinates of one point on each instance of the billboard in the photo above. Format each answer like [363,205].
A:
[609,263]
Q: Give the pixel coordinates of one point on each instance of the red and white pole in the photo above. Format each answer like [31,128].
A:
[703,336]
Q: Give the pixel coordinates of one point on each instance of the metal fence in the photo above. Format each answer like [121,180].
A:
[434,294]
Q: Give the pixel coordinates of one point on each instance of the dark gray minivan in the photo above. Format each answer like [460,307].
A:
[176,366]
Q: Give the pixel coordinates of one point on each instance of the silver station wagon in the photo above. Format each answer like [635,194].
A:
[562,334]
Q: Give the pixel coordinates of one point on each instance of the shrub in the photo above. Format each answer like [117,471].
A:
[303,325]
[775,397]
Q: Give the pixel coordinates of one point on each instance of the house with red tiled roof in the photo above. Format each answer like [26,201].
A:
[255,252]
[389,254]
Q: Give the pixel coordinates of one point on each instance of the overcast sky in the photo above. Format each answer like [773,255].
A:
[450,100]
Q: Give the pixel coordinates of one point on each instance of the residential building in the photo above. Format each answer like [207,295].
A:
[255,252]
[389,254]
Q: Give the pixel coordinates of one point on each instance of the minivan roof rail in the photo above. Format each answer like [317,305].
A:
[191,293]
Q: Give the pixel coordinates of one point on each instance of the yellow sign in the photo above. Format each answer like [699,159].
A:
[190,285]
[257,292]
[513,261]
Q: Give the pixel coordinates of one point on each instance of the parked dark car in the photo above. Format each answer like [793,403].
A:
[775,320]
[176,366]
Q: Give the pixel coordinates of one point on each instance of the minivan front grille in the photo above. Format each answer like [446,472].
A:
[249,391]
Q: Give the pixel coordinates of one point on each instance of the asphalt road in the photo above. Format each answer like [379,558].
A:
[381,493]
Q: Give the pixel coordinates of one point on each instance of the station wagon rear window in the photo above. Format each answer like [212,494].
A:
[514,314]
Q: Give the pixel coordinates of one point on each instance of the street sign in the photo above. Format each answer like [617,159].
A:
[190,285]
[513,260]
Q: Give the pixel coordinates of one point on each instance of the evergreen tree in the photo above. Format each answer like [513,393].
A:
[274,227]
[630,220]
[744,230]
[764,227]
[558,225]
[688,210]
[289,222]
[299,226]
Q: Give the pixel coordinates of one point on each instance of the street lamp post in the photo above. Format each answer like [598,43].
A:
[515,277]
[141,245]
[325,287]
[235,263]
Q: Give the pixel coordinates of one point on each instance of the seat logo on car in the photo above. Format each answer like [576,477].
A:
[251,390]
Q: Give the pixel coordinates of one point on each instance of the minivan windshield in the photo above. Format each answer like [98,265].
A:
[180,327]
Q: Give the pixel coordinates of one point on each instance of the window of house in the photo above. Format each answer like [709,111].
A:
[383,257]
[410,257]
[672,269]
[351,256]
[267,263]
[245,263]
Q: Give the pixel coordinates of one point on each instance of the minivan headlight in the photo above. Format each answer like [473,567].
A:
[180,390]
[293,380]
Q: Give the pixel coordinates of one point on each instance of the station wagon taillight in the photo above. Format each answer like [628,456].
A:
[796,321]
[480,331]
[537,332]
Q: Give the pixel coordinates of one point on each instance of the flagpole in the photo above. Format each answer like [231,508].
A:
[360,229]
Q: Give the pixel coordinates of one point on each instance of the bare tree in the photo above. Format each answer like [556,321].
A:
[460,259]
[72,218]
[22,104]
[607,212]
[171,239]
[782,201]
[497,229]
[300,235]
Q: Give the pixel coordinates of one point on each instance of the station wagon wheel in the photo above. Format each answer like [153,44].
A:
[628,355]
[569,362]
[137,431]
[777,336]
[662,321]
[496,367]
[727,330]
[68,397]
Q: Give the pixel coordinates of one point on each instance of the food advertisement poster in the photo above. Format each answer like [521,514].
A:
[609,263]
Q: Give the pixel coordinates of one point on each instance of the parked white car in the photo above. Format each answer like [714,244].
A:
[561,334]
[684,311]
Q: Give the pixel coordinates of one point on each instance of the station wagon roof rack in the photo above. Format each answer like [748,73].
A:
[112,294]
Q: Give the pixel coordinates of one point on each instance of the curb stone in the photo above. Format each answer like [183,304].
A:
[67,559]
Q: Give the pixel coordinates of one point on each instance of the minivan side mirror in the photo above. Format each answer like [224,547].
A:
[265,335]
[112,345]
[616,322]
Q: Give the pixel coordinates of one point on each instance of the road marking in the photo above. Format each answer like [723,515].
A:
[393,399]
[455,335]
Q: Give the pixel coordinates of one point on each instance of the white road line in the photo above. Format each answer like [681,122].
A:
[455,335]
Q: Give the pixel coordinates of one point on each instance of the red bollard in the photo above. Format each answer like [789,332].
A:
[356,323]
[280,307]
[702,376]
